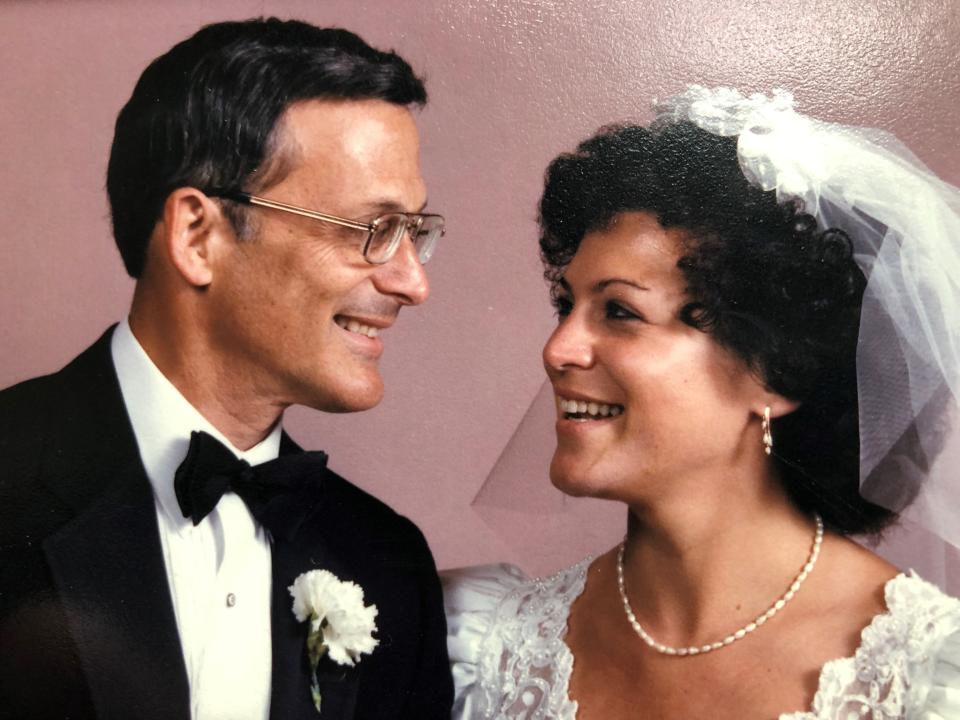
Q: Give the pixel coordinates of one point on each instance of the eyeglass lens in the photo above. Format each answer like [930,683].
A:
[424,231]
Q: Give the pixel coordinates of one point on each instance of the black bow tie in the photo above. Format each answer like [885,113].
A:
[271,490]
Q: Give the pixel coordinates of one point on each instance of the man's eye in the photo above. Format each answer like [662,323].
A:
[562,306]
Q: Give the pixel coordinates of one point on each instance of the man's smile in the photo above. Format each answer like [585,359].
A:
[356,326]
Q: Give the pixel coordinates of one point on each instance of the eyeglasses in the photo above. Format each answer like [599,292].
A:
[384,233]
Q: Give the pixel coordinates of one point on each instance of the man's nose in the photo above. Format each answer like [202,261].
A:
[403,276]
[569,346]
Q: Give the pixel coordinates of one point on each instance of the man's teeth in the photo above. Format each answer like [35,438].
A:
[581,407]
[357,327]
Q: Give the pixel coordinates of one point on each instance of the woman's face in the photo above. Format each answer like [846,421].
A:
[665,404]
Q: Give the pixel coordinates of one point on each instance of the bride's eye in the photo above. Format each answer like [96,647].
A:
[616,311]
[562,305]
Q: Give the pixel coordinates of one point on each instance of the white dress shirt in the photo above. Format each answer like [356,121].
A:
[219,571]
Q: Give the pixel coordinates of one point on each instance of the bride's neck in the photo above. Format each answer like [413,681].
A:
[697,567]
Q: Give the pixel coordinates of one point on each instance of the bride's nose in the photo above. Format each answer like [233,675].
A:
[570,346]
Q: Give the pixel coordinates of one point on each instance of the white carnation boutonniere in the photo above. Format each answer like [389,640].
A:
[341,626]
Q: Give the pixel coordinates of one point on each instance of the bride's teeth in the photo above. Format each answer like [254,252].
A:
[582,407]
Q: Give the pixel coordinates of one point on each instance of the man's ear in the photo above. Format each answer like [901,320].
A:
[193,226]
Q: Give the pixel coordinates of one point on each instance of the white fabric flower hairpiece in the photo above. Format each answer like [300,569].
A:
[777,147]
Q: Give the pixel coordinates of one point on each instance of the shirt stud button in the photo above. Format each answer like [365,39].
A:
[231,599]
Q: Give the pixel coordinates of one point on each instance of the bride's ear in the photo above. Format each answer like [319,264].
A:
[778,404]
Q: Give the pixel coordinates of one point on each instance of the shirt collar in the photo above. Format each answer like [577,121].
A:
[163,419]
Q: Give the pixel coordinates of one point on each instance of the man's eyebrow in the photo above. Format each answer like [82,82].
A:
[388,206]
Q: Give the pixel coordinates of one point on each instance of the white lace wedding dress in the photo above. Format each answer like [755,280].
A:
[510,661]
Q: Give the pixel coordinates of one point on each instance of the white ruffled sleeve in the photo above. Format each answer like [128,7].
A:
[943,698]
[471,597]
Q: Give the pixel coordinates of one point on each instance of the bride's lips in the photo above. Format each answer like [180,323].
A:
[577,412]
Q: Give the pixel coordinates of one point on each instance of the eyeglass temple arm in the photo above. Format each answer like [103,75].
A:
[248,199]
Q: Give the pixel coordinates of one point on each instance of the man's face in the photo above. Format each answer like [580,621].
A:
[296,311]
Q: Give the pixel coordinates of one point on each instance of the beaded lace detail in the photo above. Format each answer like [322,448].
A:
[893,669]
[524,663]
[524,666]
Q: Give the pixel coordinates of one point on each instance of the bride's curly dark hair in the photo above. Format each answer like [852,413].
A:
[763,280]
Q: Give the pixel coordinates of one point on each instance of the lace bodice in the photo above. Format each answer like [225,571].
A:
[510,661]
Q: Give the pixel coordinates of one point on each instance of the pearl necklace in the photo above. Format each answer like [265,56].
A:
[733,637]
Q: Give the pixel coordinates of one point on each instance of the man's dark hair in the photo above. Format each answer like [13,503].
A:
[763,279]
[203,114]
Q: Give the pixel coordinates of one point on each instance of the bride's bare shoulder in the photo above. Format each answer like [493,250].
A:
[851,580]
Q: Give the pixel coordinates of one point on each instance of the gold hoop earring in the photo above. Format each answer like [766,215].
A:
[767,437]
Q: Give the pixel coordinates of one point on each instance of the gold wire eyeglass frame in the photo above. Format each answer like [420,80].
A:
[412,222]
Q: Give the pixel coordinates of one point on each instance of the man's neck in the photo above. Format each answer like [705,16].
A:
[206,384]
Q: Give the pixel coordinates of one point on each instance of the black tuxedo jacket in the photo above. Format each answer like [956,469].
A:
[87,626]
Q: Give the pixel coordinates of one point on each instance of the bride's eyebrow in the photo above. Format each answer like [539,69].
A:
[603,284]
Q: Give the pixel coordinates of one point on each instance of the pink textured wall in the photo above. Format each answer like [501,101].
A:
[512,83]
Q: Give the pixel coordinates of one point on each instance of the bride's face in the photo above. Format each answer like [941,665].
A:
[676,403]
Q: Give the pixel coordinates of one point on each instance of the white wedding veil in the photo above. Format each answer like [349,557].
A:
[904,224]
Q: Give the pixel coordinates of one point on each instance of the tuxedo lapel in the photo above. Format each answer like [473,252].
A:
[107,563]
[108,569]
[300,552]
